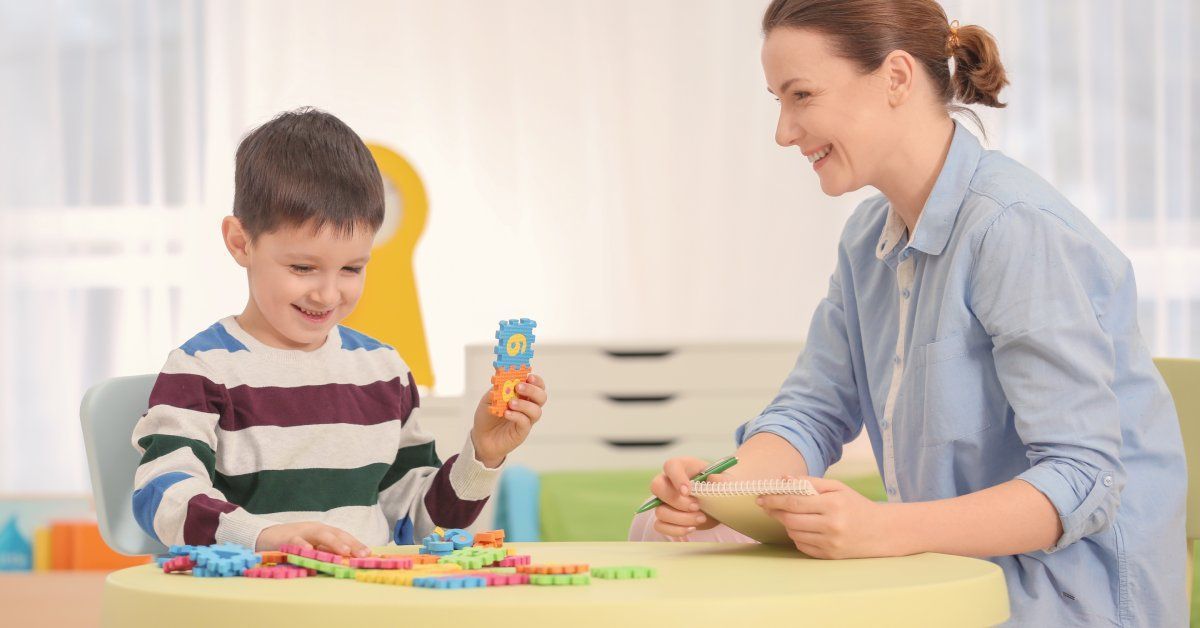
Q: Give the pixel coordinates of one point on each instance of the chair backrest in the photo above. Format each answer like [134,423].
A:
[109,412]
[1183,380]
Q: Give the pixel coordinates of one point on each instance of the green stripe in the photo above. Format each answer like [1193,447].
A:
[159,445]
[409,458]
[318,490]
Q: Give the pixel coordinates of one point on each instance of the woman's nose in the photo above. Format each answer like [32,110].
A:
[786,132]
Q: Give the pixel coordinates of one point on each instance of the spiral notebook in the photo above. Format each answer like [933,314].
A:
[733,504]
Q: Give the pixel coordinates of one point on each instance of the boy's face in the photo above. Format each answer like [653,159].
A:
[302,282]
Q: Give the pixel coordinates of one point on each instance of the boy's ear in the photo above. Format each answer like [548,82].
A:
[236,240]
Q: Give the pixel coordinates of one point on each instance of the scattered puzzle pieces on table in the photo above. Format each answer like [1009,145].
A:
[624,573]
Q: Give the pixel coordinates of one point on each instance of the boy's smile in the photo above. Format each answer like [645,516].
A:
[302,281]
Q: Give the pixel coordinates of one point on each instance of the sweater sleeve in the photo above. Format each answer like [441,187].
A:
[419,492]
[174,499]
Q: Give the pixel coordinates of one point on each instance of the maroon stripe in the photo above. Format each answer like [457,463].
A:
[372,404]
[203,515]
[444,505]
[247,406]
[184,390]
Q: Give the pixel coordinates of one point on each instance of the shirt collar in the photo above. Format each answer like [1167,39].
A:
[937,217]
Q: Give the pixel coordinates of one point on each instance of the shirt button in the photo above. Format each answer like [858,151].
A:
[883,424]
[906,293]
[896,359]
[891,491]
[1108,480]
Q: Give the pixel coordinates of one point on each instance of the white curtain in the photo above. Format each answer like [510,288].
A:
[1103,104]
[617,157]
[101,115]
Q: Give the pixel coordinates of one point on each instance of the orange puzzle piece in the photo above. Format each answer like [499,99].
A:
[504,387]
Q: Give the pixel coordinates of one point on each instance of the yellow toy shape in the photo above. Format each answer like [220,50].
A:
[389,309]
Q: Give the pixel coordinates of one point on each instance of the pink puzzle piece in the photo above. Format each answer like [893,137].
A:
[514,561]
[279,572]
[506,579]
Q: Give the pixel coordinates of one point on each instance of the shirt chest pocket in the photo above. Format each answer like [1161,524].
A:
[961,396]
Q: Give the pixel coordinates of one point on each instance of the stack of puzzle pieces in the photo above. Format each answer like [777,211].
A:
[514,353]
[450,559]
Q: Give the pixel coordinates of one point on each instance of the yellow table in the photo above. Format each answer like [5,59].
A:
[704,584]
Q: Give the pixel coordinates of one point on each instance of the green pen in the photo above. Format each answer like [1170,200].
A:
[716,467]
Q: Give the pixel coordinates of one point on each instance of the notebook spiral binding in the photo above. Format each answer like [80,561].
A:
[755,487]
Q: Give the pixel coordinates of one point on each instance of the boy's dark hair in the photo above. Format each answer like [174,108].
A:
[306,167]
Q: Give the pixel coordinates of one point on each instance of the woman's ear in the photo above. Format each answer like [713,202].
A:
[236,240]
[899,69]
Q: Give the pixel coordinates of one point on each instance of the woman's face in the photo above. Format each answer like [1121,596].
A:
[836,115]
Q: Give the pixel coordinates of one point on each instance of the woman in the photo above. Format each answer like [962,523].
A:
[977,325]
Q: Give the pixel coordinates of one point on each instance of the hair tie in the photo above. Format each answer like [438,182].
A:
[952,42]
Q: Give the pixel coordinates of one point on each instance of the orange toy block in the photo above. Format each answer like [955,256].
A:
[552,569]
[77,546]
[504,387]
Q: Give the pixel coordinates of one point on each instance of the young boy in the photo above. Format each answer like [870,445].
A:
[280,426]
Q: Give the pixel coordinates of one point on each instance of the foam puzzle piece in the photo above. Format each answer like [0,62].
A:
[515,561]
[332,569]
[222,560]
[504,388]
[514,346]
[279,572]
[451,582]
[552,569]
[178,564]
[559,579]
[624,573]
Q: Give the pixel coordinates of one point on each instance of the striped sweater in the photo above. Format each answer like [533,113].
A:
[241,436]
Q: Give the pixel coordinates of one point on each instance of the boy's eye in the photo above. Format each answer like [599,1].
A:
[354,269]
[301,268]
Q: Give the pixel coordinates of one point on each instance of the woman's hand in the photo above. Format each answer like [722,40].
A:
[837,523]
[680,513]
[495,437]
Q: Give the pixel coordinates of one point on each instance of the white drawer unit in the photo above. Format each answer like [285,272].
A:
[631,406]
[648,369]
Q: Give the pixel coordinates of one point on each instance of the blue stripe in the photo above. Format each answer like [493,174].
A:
[147,498]
[215,337]
[403,533]
[352,340]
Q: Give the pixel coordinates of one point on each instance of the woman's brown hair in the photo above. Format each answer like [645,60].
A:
[867,31]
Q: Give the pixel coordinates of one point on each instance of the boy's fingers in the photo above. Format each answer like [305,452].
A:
[532,392]
[528,408]
[522,422]
[536,380]
[301,541]
[329,538]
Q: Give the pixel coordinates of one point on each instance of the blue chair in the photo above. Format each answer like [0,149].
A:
[109,412]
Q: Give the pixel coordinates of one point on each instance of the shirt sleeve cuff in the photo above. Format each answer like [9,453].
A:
[787,430]
[242,528]
[469,478]
[1084,503]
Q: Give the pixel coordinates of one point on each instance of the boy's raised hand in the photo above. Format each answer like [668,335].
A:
[311,535]
[680,513]
[495,437]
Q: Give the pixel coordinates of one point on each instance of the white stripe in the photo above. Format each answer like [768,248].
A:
[469,478]
[181,459]
[247,368]
[170,420]
[327,446]
[172,510]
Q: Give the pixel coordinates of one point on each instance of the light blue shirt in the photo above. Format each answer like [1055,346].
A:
[1002,342]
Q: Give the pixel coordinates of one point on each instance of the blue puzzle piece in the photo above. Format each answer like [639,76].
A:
[451,582]
[222,560]
[515,343]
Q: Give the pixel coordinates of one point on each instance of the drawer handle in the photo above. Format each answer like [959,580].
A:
[633,444]
[639,398]
[635,354]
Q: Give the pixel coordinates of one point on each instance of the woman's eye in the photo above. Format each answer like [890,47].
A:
[801,95]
